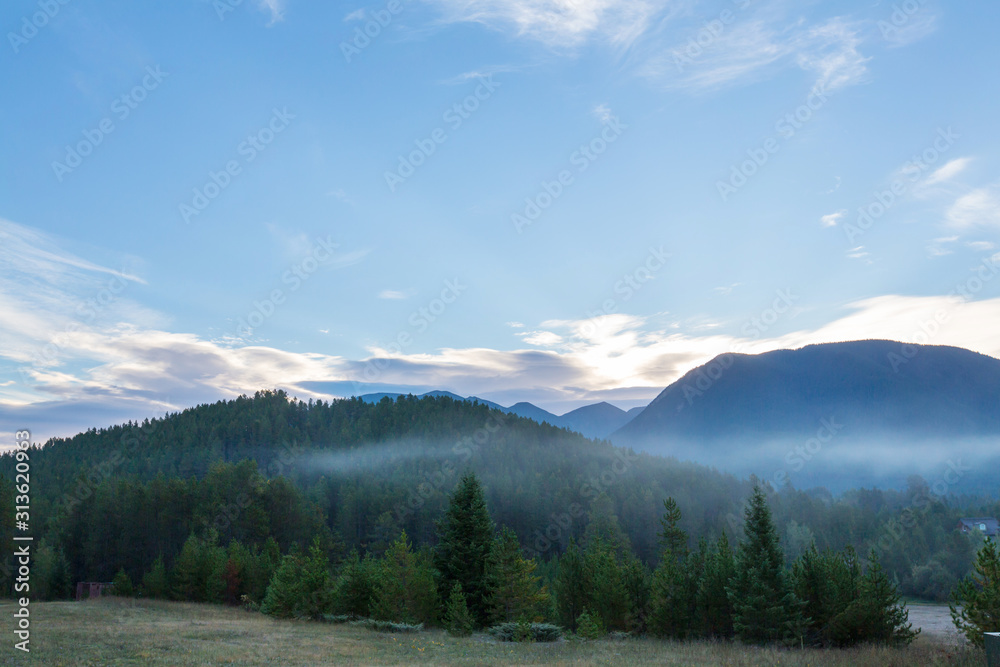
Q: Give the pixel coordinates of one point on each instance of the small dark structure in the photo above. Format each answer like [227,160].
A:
[92,589]
[986,525]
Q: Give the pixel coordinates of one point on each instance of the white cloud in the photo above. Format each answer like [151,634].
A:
[356,15]
[831,219]
[978,208]
[752,48]
[515,325]
[275,7]
[947,171]
[982,246]
[562,23]
[391,294]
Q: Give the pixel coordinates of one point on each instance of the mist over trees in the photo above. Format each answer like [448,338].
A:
[215,502]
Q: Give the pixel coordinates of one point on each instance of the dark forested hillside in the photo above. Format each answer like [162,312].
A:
[272,473]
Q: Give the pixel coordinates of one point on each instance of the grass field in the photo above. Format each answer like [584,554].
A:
[130,632]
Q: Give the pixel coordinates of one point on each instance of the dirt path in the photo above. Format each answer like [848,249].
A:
[934,621]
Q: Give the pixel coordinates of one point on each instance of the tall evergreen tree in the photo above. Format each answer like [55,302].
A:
[457,620]
[356,586]
[975,603]
[513,590]
[404,586]
[672,595]
[765,608]
[465,535]
[571,586]
[714,606]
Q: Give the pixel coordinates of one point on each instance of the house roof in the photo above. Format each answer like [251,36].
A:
[973,523]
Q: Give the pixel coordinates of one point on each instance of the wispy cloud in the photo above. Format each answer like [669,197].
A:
[831,219]
[978,208]
[276,8]
[392,294]
[356,15]
[562,24]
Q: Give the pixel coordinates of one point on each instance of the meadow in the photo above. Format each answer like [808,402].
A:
[115,631]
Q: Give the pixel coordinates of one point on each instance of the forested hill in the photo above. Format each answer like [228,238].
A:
[267,472]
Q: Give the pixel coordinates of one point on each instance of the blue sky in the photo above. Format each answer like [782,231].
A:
[524,200]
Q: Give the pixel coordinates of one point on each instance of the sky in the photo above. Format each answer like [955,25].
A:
[555,202]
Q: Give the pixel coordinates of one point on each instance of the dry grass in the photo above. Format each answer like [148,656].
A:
[129,632]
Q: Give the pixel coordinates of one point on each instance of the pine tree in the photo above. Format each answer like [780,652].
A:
[589,626]
[458,621]
[605,582]
[765,608]
[571,588]
[672,596]
[315,583]
[285,592]
[673,540]
[714,606]
[876,614]
[356,586]
[155,583]
[465,535]
[121,585]
[405,591]
[512,587]
[975,603]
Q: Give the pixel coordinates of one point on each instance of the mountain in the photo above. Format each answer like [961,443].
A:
[594,421]
[879,404]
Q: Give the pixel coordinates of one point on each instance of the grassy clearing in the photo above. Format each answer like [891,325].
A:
[130,632]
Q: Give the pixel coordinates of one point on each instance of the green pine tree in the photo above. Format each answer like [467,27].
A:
[672,596]
[356,586]
[589,626]
[714,606]
[155,583]
[765,608]
[405,591]
[285,592]
[512,588]
[465,535]
[571,589]
[458,621]
[975,603]
[121,585]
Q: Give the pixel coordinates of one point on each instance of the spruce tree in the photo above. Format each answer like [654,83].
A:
[465,535]
[457,620]
[356,586]
[285,593]
[154,582]
[121,585]
[975,603]
[571,587]
[512,588]
[672,595]
[714,606]
[765,608]
[405,591]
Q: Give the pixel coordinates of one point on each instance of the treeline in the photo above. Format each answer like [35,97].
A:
[357,475]
[479,577]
